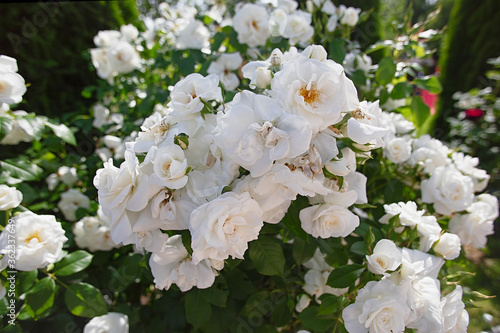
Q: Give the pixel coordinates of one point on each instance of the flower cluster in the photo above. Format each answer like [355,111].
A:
[222,176]
[115,54]
[450,181]
[408,295]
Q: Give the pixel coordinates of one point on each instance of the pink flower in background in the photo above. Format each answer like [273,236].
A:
[474,113]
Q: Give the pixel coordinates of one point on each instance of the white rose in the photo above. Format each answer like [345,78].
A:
[12,88]
[315,284]
[174,265]
[122,189]
[101,115]
[487,203]
[194,36]
[112,322]
[105,38]
[129,32]
[429,153]
[187,95]
[224,226]
[317,52]
[251,24]
[418,264]
[68,175]
[424,296]
[386,256]
[398,150]
[170,166]
[351,16]
[91,233]
[380,307]
[277,22]
[224,67]
[256,131]
[317,91]
[328,221]
[39,241]
[298,27]
[467,165]
[10,197]
[448,246]
[101,63]
[448,190]
[456,318]
[342,166]
[472,228]
[8,64]
[123,58]
[70,201]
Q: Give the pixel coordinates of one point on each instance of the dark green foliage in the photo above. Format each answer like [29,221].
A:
[471,39]
[50,41]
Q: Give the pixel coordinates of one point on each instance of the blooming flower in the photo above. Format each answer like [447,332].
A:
[10,197]
[223,67]
[251,24]
[12,85]
[39,240]
[70,201]
[380,307]
[111,322]
[256,131]
[224,226]
[174,265]
[386,256]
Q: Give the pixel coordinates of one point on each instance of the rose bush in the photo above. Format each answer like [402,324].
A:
[241,177]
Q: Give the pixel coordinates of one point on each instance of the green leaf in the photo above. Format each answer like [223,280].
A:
[73,263]
[198,310]
[429,83]
[6,125]
[345,276]
[281,314]
[85,300]
[401,90]
[24,281]
[337,50]
[386,71]
[22,170]
[393,191]
[291,218]
[303,251]
[217,294]
[359,248]
[40,298]
[267,255]
[314,321]
[329,304]
[420,110]
[257,303]
[63,132]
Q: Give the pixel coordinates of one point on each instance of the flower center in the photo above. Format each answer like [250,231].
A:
[255,25]
[381,262]
[33,238]
[310,94]
[3,87]
[228,227]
